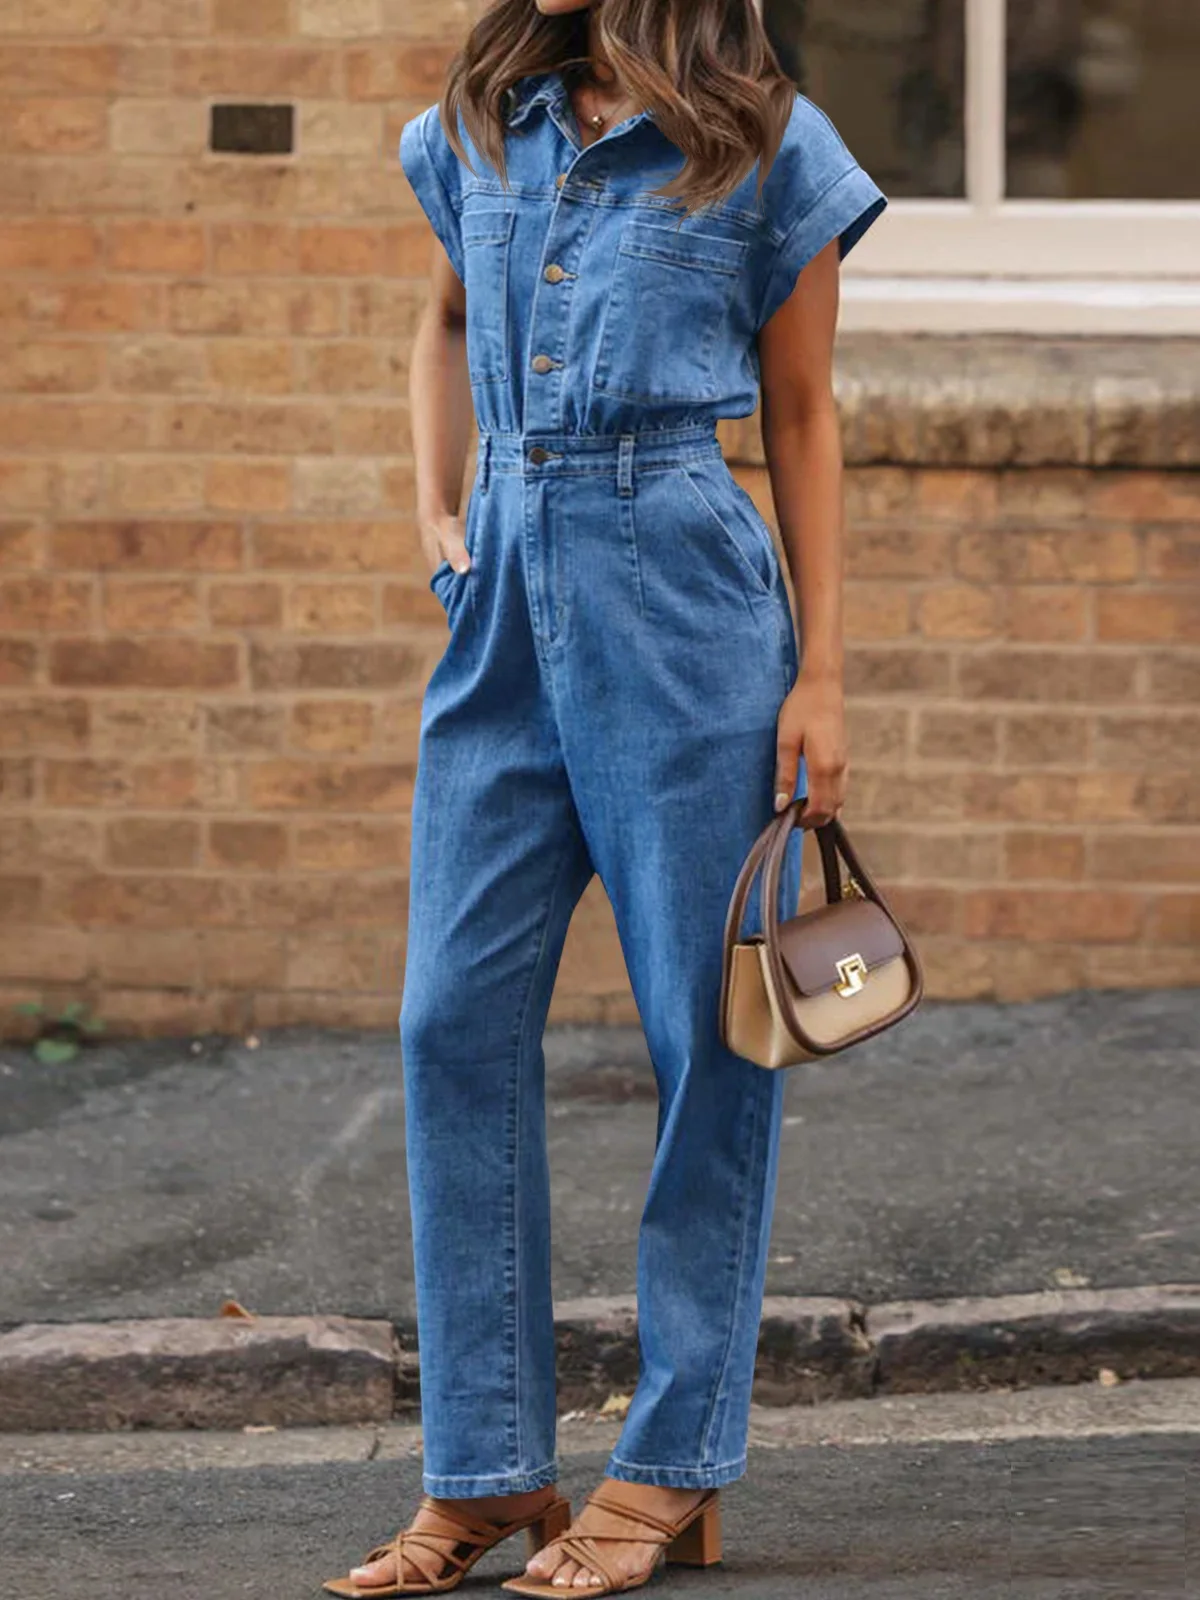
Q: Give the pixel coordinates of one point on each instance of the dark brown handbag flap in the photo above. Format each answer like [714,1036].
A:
[811,945]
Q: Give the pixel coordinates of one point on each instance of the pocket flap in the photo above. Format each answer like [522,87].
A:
[813,944]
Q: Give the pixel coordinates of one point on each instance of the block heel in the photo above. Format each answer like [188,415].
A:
[699,1545]
[550,1525]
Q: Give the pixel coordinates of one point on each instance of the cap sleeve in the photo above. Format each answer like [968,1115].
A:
[814,193]
[432,168]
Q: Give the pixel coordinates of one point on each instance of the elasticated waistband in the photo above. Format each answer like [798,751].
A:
[622,453]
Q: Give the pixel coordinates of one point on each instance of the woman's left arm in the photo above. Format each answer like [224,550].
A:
[802,440]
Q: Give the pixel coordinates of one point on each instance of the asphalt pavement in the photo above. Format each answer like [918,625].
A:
[976,1150]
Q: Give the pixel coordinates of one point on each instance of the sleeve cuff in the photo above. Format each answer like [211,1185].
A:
[422,173]
[845,211]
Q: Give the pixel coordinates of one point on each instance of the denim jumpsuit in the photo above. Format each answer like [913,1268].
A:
[606,703]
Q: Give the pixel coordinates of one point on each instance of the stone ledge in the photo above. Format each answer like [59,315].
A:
[1000,401]
[226,1373]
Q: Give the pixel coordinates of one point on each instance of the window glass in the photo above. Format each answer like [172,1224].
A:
[1104,99]
[890,75]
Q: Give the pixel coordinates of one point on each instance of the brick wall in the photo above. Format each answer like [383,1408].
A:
[214,620]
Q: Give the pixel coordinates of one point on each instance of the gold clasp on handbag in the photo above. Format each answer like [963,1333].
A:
[851,970]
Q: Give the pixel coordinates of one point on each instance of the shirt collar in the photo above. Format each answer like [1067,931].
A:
[543,88]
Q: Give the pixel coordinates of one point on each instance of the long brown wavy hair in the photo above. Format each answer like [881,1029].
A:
[706,68]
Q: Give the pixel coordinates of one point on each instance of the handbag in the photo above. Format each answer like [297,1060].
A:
[822,980]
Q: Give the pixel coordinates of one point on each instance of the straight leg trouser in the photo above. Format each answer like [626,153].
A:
[607,703]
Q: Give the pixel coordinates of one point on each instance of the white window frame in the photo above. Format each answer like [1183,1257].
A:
[1047,266]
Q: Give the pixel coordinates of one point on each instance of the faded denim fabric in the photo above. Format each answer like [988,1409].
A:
[606,704]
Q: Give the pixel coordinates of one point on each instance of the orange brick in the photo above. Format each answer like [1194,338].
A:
[266,19]
[1077,916]
[232,70]
[1088,676]
[54,127]
[956,496]
[20,546]
[331,726]
[59,955]
[348,367]
[970,737]
[872,670]
[151,900]
[167,959]
[1045,797]
[249,486]
[157,484]
[896,552]
[318,665]
[264,309]
[26,485]
[1065,555]
[328,901]
[151,605]
[351,846]
[1146,496]
[144,842]
[248,846]
[18,662]
[38,604]
[405,604]
[16,779]
[1045,739]
[325,785]
[244,959]
[243,730]
[333,546]
[877,611]
[1173,553]
[1037,855]
[156,247]
[1159,616]
[1160,740]
[49,722]
[1159,857]
[327,608]
[133,726]
[251,249]
[954,857]
[335,961]
[1175,919]
[144,663]
[1175,677]
[21,898]
[1047,616]
[157,367]
[338,487]
[163,546]
[1141,967]
[253,429]
[57,69]
[251,366]
[1043,494]
[327,251]
[234,604]
[958,613]
[49,246]
[157,18]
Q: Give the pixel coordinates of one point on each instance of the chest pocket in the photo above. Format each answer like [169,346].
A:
[487,237]
[667,307]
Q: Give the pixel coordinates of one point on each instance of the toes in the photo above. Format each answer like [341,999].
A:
[564,1577]
[377,1573]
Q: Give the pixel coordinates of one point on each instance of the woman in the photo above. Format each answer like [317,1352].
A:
[620,694]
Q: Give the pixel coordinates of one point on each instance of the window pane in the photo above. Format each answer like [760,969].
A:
[1103,99]
[890,74]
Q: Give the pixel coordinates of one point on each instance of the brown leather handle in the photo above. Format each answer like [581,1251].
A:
[833,838]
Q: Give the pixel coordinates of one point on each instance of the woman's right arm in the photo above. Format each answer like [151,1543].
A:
[441,413]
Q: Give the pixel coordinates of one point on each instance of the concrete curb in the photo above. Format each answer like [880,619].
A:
[224,1372]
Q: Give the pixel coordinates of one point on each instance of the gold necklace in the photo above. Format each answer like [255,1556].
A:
[597,119]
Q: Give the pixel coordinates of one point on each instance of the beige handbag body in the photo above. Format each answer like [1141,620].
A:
[819,981]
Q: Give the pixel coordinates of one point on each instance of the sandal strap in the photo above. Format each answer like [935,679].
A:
[582,1549]
[622,1508]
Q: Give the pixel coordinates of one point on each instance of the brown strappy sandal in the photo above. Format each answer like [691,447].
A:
[473,1538]
[693,1541]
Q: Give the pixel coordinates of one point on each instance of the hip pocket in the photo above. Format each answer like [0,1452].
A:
[487,239]
[728,510]
[668,302]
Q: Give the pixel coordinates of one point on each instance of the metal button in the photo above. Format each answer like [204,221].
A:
[537,455]
[542,363]
[554,273]
[560,180]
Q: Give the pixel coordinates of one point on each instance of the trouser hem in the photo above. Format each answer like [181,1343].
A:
[474,1486]
[676,1477]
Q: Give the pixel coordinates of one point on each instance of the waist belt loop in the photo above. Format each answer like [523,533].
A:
[485,461]
[625,464]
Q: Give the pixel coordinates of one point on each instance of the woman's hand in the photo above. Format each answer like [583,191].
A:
[442,539]
[812,724]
